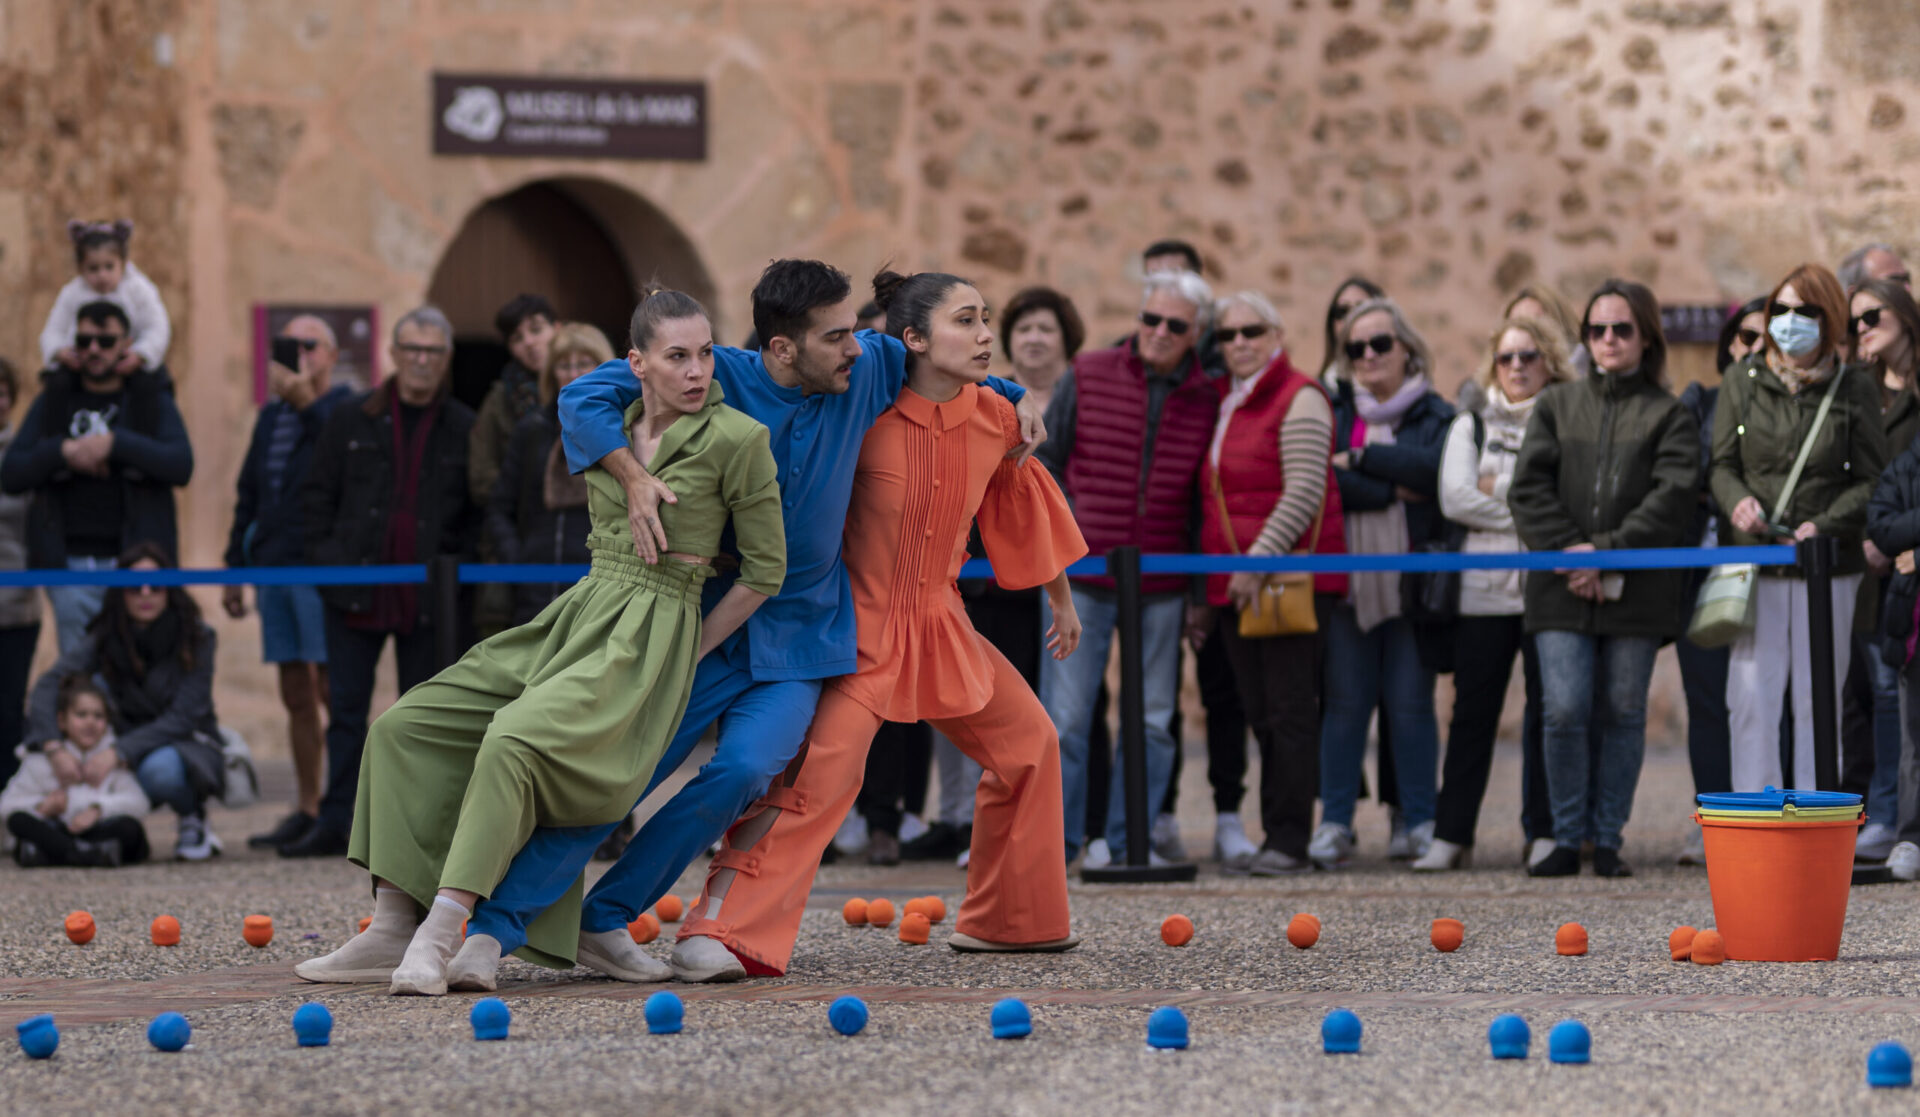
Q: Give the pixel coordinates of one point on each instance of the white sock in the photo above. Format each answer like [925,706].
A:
[394,912]
[465,911]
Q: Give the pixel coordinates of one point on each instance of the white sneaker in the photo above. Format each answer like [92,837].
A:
[1273,863]
[1399,841]
[475,966]
[1331,846]
[1230,845]
[1874,843]
[852,838]
[1442,856]
[1538,850]
[1420,838]
[1098,856]
[960,862]
[1904,861]
[1695,851]
[196,840]
[703,958]
[911,827]
[616,955]
[1166,838]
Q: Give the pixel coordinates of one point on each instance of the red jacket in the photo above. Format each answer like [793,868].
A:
[1252,480]
[1103,471]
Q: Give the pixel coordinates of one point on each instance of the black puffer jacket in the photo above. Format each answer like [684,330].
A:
[1411,462]
[1893,523]
[520,526]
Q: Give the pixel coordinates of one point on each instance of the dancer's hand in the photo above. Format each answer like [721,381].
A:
[645,494]
[1064,636]
[1033,429]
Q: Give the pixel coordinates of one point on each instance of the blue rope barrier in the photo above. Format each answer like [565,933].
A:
[521,573]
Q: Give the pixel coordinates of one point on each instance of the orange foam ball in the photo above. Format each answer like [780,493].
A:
[1448,934]
[644,929]
[669,909]
[257,930]
[1303,930]
[1680,943]
[1176,930]
[936,909]
[915,906]
[365,922]
[915,928]
[80,927]
[880,913]
[854,912]
[1709,948]
[165,931]
[1570,939]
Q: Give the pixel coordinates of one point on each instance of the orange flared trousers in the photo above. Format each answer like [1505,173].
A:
[1016,875]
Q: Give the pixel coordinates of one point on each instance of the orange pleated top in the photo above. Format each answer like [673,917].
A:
[927,471]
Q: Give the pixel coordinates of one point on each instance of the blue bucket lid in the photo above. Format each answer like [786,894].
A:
[1773,799]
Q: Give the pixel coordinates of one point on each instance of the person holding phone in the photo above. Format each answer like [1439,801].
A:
[1796,451]
[267,531]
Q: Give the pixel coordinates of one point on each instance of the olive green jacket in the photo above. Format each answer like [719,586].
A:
[1757,432]
[1613,461]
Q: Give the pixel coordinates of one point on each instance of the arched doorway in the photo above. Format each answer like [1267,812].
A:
[585,244]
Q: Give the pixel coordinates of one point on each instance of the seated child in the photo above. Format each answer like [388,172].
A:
[100,253]
[93,820]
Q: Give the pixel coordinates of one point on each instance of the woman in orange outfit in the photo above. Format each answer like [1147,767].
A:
[932,464]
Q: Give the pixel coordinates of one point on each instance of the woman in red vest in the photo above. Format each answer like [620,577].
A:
[1267,488]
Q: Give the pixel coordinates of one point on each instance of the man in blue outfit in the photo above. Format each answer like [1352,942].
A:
[818,386]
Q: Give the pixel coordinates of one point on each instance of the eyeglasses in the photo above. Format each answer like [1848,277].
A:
[155,590]
[1226,336]
[1519,358]
[1175,326]
[1867,319]
[1379,343]
[1807,311]
[1748,338]
[1904,279]
[1597,331]
[421,352]
[95,341]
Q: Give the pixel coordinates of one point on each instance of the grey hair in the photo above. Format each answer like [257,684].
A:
[1183,284]
[326,331]
[1252,300]
[1419,357]
[429,316]
[1853,269]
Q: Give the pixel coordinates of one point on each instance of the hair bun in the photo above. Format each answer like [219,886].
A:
[886,285]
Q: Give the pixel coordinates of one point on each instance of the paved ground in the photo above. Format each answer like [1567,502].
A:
[1667,1037]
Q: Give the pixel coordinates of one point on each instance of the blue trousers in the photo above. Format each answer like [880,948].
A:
[761,728]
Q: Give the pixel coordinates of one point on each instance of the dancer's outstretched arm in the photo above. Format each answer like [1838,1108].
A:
[727,616]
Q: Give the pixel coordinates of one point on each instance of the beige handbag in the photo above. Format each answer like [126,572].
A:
[1284,606]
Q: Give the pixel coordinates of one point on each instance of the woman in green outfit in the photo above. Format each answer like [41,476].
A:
[560,722]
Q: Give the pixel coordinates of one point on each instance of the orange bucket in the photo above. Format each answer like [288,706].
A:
[1779,888]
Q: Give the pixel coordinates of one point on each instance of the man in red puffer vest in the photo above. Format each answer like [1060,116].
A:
[1128,428]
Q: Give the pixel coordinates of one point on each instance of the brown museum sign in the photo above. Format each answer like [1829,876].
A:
[588,118]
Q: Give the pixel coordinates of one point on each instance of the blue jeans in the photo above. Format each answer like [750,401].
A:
[1067,689]
[1883,794]
[1586,678]
[1363,670]
[761,728]
[74,607]
[163,776]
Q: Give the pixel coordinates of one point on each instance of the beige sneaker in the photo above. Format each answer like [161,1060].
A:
[615,955]
[704,959]
[474,968]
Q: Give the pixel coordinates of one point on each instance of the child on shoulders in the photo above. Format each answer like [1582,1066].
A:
[100,255]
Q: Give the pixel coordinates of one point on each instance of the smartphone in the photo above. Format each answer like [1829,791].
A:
[286,351]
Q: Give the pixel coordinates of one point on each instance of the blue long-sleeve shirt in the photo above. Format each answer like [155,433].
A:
[807,630]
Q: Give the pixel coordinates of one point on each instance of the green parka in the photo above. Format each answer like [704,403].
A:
[1613,461]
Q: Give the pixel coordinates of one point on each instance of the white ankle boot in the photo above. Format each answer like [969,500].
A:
[1443,856]
[423,971]
[371,955]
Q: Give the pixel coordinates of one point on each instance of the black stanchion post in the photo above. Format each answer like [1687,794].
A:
[1123,566]
[443,590]
[1816,558]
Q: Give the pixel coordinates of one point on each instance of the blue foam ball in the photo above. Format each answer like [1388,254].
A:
[313,1024]
[169,1031]
[665,1014]
[490,1018]
[1011,1019]
[1889,1064]
[1167,1029]
[38,1037]
[1570,1042]
[847,1015]
[1340,1033]
[1509,1037]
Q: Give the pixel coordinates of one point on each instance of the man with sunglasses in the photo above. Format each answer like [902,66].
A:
[101,451]
[1134,422]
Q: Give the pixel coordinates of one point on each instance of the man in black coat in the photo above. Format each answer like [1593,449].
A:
[388,485]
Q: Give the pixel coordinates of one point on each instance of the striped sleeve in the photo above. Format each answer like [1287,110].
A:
[1306,440]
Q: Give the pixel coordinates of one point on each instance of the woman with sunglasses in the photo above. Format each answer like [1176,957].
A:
[1770,417]
[1266,489]
[1540,301]
[1609,462]
[1883,328]
[1356,290]
[1389,428]
[153,656]
[1524,356]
